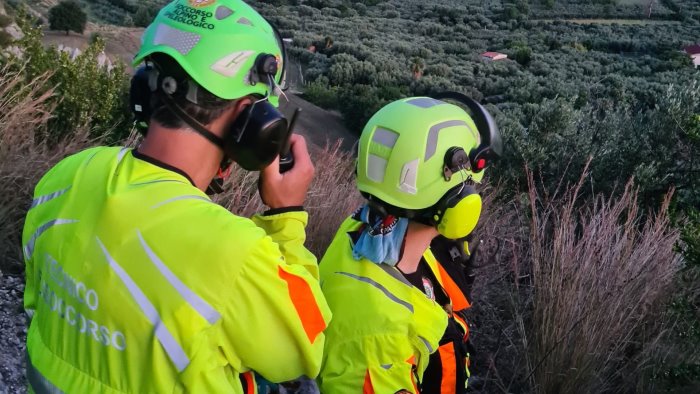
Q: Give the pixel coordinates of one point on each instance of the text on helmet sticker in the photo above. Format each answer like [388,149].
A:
[191,16]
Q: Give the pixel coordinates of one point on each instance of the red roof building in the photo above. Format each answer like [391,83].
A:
[694,52]
[493,56]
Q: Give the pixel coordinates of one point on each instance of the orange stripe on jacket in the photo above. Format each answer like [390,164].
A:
[449,368]
[412,360]
[249,382]
[305,304]
[459,301]
[464,325]
[367,386]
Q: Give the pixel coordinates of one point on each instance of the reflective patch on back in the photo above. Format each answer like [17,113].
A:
[376,168]
[165,337]
[181,41]
[196,302]
[229,65]
[409,176]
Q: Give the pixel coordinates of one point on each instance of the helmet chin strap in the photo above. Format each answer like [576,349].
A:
[216,186]
[192,122]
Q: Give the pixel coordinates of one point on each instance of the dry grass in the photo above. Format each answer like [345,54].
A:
[602,274]
[24,111]
[568,292]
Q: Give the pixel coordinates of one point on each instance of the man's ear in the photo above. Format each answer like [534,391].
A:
[220,125]
[240,105]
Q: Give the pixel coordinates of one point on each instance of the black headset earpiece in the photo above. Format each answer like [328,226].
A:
[456,159]
[257,136]
[140,98]
[491,146]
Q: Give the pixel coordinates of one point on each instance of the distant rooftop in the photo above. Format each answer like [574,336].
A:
[493,56]
[692,49]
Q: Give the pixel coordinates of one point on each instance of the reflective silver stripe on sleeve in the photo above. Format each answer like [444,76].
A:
[201,306]
[172,348]
[38,382]
[179,198]
[29,247]
[48,197]
[427,344]
[380,287]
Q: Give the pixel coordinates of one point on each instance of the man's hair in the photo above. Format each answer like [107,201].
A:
[208,108]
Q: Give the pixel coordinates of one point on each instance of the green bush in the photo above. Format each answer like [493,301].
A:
[85,93]
[320,94]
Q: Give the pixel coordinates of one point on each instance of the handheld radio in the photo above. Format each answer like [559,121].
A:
[286,156]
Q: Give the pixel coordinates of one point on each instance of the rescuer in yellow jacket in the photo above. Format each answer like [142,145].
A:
[136,281]
[394,304]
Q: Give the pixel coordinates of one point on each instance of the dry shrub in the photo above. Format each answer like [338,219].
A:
[332,196]
[602,273]
[24,111]
[495,317]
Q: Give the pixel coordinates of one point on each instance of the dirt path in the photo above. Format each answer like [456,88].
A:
[318,125]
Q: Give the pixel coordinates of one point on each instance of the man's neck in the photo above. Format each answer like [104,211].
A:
[186,151]
[417,241]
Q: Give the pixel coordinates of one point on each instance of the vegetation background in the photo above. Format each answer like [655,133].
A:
[590,267]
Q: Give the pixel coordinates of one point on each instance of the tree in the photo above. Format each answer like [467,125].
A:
[143,17]
[67,16]
[417,67]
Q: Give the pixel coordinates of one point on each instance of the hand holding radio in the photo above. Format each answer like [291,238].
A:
[288,189]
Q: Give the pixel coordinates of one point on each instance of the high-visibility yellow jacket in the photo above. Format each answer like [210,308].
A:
[384,328]
[137,282]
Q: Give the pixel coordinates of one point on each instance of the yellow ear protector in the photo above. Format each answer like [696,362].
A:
[457,213]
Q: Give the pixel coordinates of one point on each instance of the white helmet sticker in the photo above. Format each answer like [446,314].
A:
[229,65]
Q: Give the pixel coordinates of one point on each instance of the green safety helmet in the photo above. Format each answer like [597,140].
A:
[218,43]
[418,156]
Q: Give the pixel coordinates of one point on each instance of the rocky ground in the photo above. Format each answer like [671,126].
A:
[13,331]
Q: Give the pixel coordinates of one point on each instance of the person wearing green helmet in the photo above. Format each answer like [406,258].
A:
[396,275]
[135,280]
